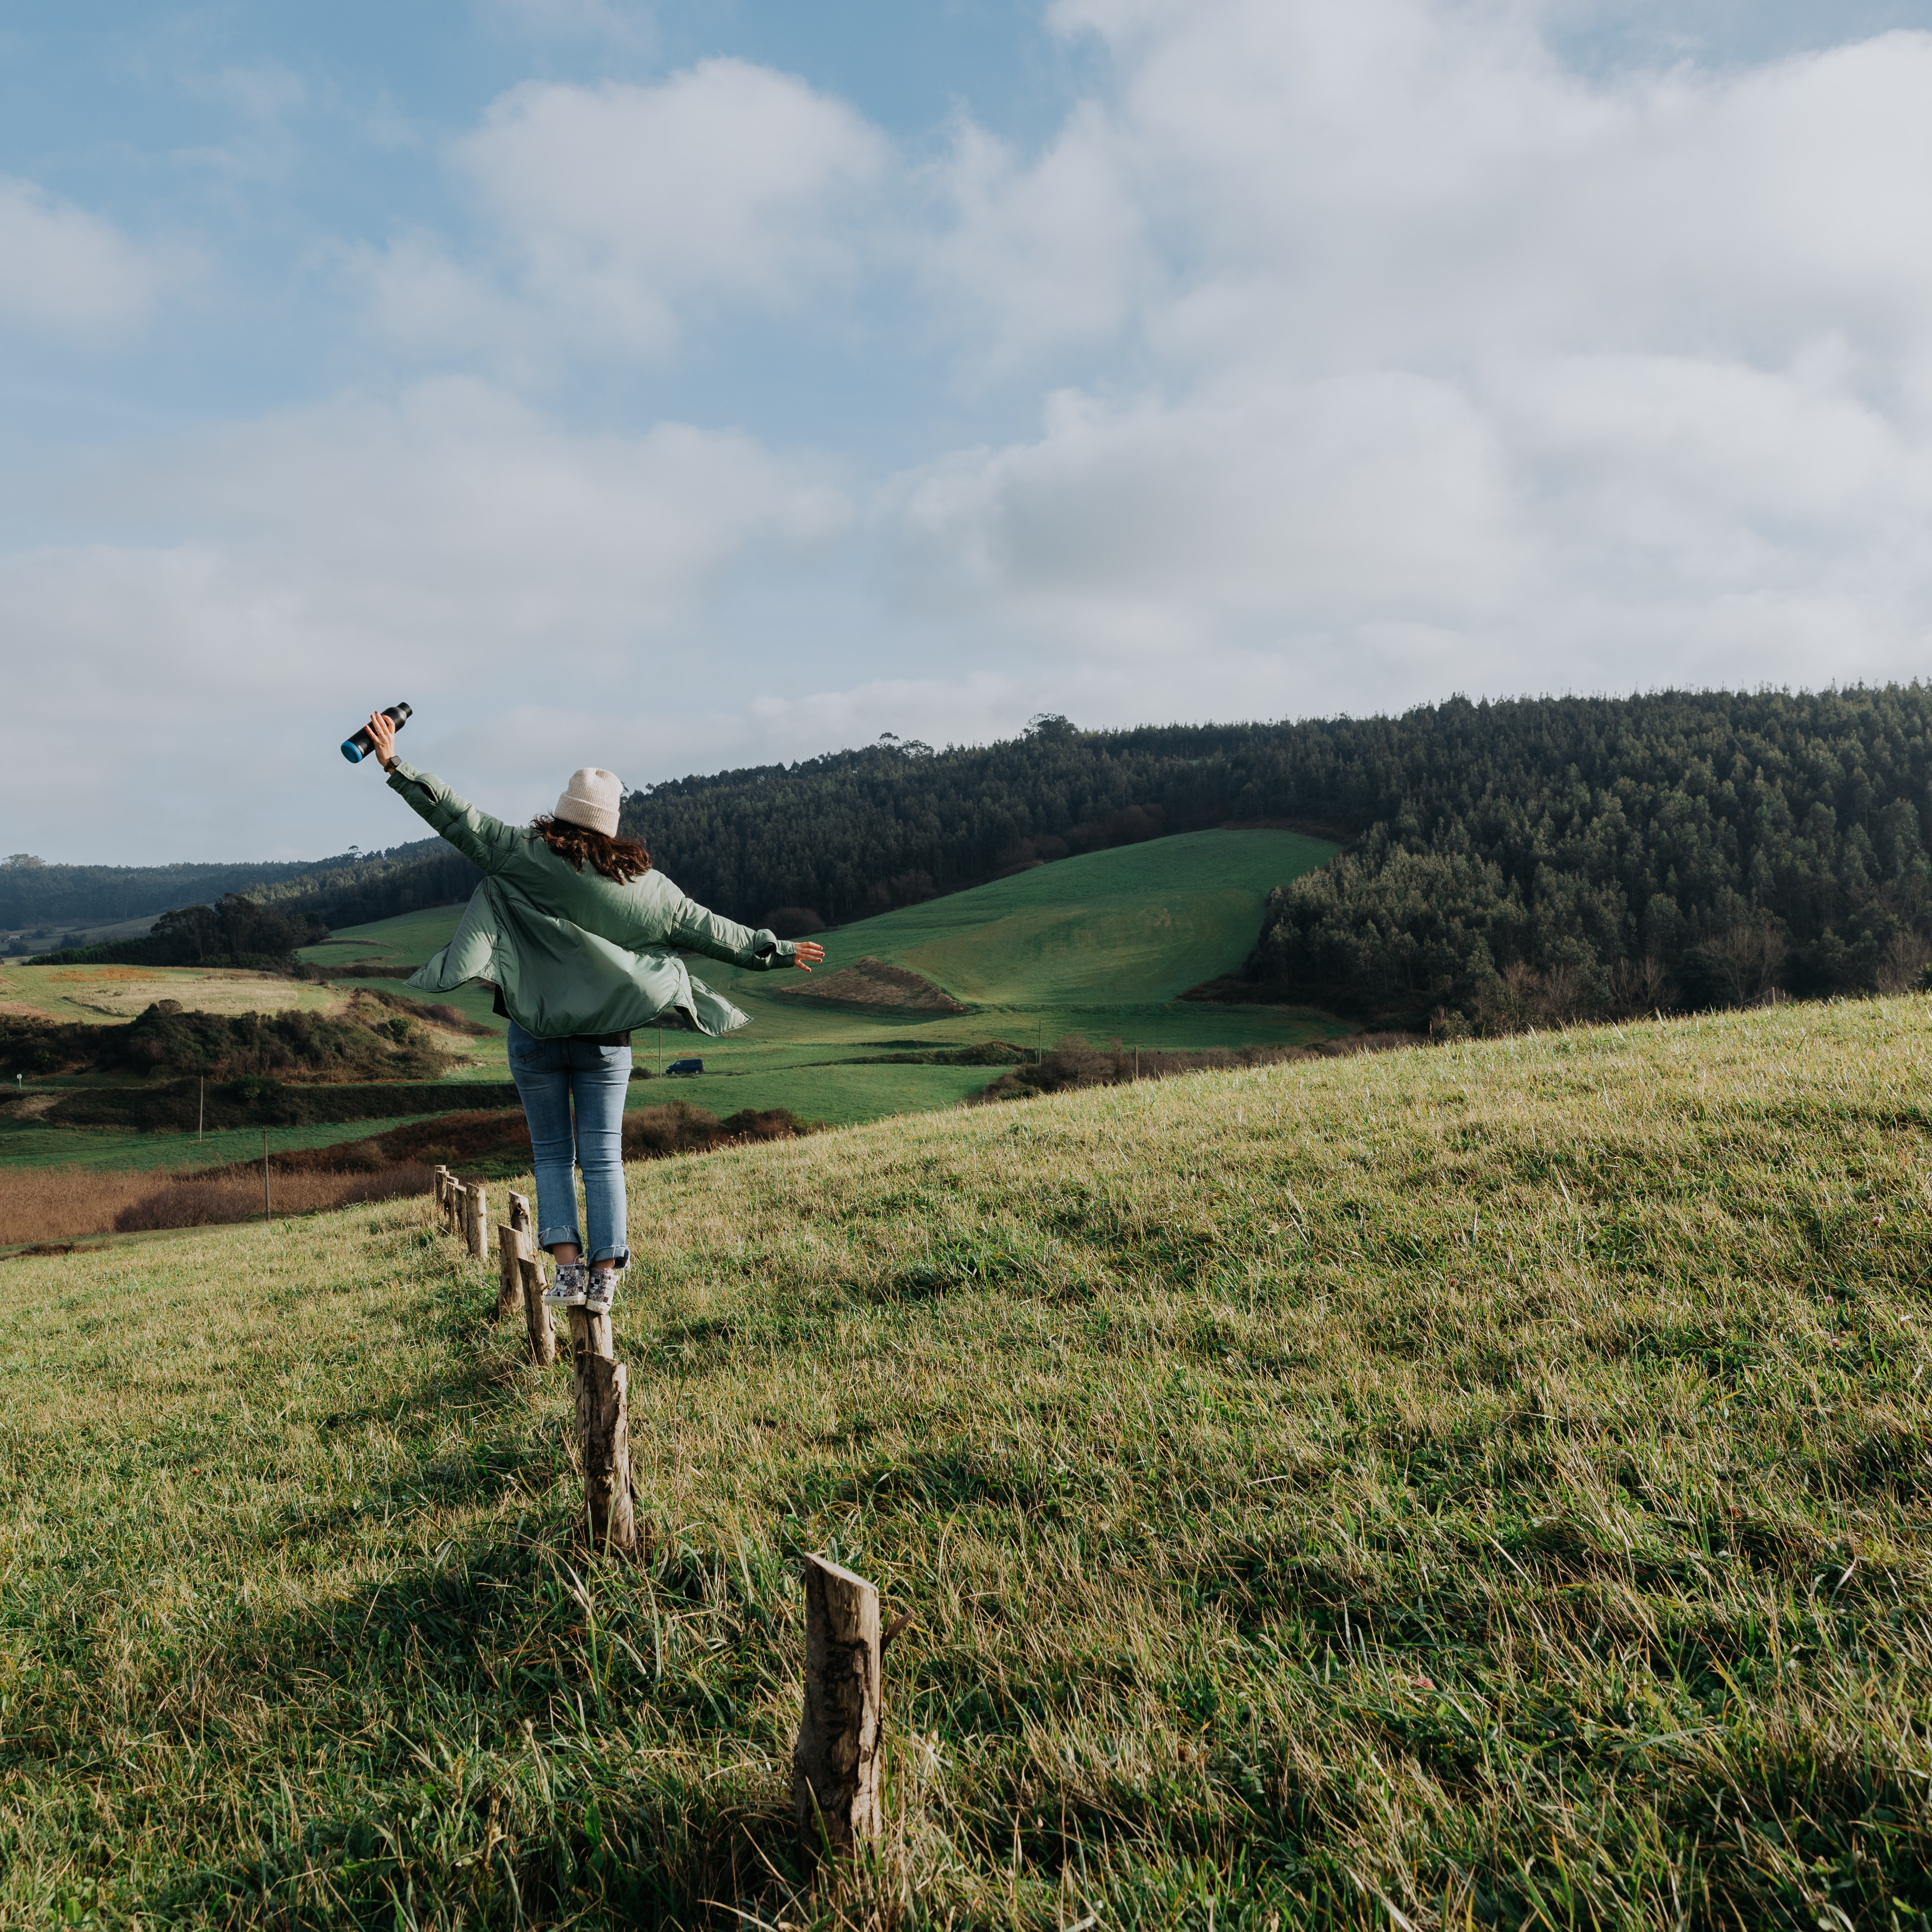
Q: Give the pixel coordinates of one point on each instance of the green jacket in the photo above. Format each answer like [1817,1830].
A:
[571,951]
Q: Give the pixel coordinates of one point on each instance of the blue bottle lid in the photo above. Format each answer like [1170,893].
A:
[351,751]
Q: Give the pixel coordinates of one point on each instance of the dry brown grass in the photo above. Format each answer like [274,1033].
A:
[206,1204]
[56,1204]
[59,1204]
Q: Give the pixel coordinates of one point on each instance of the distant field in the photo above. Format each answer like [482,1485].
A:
[410,937]
[108,995]
[1098,946]
[25,1144]
[1484,1486]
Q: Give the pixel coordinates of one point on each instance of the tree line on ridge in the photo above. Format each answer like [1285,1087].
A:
[1505,863]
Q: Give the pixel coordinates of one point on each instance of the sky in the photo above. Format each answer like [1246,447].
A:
[679,386]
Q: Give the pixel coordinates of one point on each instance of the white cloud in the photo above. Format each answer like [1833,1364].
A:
[1451,366]
[625,205]
[452,547]
[62,269]
[1036,258]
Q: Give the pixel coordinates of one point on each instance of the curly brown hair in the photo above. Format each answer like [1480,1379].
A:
[622,860]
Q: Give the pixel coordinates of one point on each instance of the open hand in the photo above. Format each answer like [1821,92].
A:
[808,954]
[383,731]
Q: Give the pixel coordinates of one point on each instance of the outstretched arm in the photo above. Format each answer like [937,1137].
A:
[698,929]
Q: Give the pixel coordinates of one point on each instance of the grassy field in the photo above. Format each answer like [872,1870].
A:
[105,995]
[1099,945]
[1481,1486]
[25,1144]
[1134,926]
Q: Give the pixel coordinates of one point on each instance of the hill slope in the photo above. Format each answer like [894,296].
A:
[1488,1482]
[1135,926]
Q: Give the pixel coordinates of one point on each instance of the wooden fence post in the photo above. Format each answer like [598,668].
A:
[476,1220]
[441,1178]
[536,1314]
[520,1213]
[603,1428]
[509,1273]
[589,1335]
[835,1764]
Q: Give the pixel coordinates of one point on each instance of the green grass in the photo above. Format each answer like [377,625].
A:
[1099,945]
[410,938]
[24,1144]
[1487,1484]
[1135,926]
[841,1096]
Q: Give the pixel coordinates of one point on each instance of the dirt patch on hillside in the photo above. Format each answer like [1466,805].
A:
[873,983]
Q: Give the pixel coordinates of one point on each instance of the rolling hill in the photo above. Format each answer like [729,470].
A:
[1135,926]
[1478,1487]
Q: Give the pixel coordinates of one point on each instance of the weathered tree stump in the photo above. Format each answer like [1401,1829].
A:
[476,1220]
[603,1428]
[835,1764]
[509,1273]
[520,1214]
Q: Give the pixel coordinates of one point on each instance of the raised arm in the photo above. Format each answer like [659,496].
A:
[487,842]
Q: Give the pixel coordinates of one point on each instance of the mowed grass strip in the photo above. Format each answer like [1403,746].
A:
[1485,1485]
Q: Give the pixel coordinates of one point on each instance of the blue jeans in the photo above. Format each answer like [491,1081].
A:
[549,1074]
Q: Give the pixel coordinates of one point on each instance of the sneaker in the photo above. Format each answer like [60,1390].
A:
[603,1291]
[567,1290]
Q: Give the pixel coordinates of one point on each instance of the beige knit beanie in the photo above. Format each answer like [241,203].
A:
[591,798]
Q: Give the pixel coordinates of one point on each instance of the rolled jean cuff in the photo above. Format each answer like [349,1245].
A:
[619,1257]
[549,1237]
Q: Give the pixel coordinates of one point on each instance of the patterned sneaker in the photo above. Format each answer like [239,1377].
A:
[603,1291]
[567,1290]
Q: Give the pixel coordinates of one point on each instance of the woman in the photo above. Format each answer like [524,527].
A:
[576,932]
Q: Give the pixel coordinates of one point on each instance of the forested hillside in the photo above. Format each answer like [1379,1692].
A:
[1570,858]
[1524,861]
[32,894]
[1533,860]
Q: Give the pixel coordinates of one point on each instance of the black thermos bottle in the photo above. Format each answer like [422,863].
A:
[357,747]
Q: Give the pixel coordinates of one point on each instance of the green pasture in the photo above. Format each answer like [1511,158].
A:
[1098,946]
[841,1094]
[1134,926]
[26,1143]
[1480,1486]
[410,938]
